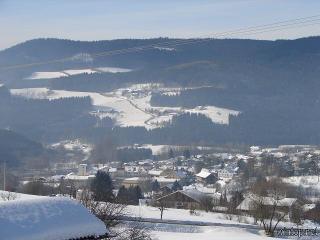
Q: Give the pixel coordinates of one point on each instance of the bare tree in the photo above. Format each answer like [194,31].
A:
[8,196]
[266,207]
[206,203]
[297,214]
[134,231]
[160,205]
[112,214]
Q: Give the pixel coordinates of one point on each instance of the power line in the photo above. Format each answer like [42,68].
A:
[276,26]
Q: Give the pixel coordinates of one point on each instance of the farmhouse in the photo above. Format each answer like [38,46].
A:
[206,177]
[55,218]
[187,199]
[282,205]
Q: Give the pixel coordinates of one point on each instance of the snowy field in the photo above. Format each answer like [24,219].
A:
[192,226]
[131,106]
[70,72]
[158,149]
[162,231]
[210,233]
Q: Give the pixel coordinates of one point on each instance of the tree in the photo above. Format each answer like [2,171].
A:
[265,206]
[297,214]
[155,186]
[112,214]
[122,196]
[223,199]
[102,187]
[130,195]
[161,207]
[136,231]
[8,196]
[186,154]
[170,154]
[206,203]
[176,186]
[235,200]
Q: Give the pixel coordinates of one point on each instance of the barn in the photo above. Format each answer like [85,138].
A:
[187,199]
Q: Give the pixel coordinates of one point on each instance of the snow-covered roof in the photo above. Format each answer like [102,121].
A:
[72,176]
[204,173]
[165,180]
[55,218]
[248,202]
[155,172]
[191,193]
[201,188]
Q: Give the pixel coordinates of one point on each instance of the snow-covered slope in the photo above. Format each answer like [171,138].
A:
[131,106]
[69,72]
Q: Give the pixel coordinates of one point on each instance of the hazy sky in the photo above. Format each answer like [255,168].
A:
[22,20]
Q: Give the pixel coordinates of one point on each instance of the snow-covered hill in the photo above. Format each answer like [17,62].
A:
[130,106]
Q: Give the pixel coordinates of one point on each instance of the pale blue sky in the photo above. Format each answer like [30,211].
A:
[22,20]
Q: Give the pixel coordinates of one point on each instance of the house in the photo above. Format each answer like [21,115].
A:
[79,181]
[50,218]
[312,212]
[163,181]
[282,205]
[186,199]
[167,189]
[131,182]
[154,173]
[206,177]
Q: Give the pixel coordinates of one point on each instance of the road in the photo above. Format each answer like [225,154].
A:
[190,223]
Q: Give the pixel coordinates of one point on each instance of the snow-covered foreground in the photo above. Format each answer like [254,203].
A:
[130,106]
[209,233]
[70,72]
[227,229]
[179,214]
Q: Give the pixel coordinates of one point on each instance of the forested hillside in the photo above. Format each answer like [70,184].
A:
[273,84]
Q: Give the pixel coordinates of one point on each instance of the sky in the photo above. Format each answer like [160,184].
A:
[22,20]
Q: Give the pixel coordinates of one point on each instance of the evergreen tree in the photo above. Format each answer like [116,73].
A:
[155,186]
[138,193]
[176,186]
[122,196]
[186,154]
[170,154]
[102,187]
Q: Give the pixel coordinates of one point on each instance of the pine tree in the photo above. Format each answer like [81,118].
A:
[155,186]
[102,187]
[170,154]
[176,186]
[122,196]
[186,153]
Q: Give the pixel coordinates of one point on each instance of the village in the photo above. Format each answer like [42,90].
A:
[235,184]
